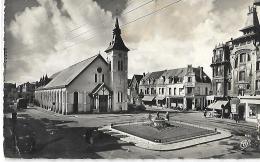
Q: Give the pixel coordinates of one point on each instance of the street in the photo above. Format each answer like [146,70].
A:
[58,136]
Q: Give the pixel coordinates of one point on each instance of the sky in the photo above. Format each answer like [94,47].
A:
[46,36]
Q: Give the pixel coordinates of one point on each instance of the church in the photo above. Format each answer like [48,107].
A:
[94,85]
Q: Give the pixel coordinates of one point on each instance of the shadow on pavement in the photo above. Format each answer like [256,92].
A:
[53,139]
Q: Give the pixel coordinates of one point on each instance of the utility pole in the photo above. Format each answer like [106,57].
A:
[5,62]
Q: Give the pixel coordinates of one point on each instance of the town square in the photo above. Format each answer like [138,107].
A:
[116,80]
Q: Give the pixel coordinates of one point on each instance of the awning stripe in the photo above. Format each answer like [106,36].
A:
[148,98]
[217,105]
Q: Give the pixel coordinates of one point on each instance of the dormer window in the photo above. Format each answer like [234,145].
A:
[189,79]
[170,79]
[163,78]
[176,79]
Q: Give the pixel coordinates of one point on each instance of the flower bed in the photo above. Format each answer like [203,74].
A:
[167,134]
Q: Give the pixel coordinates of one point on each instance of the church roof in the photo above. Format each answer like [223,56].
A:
[117,42]
[54,75]
[66,76]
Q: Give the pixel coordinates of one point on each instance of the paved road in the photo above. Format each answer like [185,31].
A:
[60,136]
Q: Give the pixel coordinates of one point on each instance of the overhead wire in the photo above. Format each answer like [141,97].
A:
[122,26]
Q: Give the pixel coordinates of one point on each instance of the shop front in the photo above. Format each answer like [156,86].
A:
[252,108]
[149,100]
[220,109]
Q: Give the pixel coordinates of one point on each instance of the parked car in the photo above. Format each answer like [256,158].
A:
[21,103]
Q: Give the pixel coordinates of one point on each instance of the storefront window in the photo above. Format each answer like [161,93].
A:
[252,111]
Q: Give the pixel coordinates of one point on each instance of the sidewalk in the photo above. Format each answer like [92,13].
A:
[230,121]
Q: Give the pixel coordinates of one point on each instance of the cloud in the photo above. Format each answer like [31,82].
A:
[56,34]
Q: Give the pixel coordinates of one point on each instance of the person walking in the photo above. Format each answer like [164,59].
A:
[167,116]
[205,113]
[157,115]
[236,118]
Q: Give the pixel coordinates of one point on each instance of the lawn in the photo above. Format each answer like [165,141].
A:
[173,133]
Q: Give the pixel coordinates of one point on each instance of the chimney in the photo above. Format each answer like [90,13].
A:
[201,72]
[189,68]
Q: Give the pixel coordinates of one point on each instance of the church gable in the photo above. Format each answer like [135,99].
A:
[97,72]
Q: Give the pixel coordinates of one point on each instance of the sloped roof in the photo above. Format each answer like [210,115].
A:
[66,76]
[98,87]
[138,78]
[54,75]
[252,19]
[180,72]
[205,78]
[153,75]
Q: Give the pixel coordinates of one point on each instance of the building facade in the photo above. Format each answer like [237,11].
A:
[236,66]
[92,85]
[185,88]
[134,89]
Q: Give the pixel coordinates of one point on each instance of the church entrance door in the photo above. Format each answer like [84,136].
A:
[103,103]
[75,102]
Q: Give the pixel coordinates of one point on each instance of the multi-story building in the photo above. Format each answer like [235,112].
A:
[186,88]
[221,71]
[134,88]
[236,66]
[148,87]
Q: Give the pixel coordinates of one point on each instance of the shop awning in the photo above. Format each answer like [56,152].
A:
[160,98]
[217,105]
[148,98]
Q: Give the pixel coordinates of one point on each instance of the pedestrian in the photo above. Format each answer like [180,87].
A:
[157,115]
[167,116]
[149,116]
[236,118]
[205,113]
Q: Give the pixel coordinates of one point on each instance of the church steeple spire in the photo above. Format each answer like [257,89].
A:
[117,42]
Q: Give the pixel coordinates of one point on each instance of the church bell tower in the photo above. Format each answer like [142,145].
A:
[117,55]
